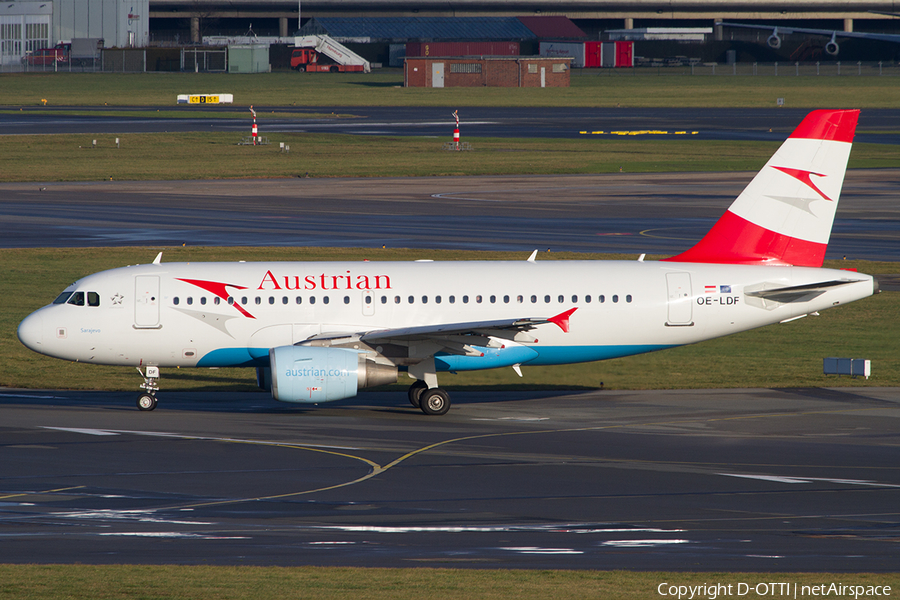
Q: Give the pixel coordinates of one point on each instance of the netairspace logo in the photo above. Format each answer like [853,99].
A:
[712,591]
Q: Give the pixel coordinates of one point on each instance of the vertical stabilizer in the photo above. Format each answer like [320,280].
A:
[784,216]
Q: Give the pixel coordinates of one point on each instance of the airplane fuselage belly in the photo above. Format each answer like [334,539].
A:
[227,314]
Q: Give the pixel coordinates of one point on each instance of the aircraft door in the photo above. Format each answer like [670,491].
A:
[368,303]
[146,301]
[680,305]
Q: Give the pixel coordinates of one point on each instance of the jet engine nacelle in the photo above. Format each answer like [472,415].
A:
[317,374]
[774,41]
[832,48]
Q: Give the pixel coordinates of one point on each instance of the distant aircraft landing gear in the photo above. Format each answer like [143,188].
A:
[147,400]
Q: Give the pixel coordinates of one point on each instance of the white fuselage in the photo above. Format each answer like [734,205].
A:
[231,314]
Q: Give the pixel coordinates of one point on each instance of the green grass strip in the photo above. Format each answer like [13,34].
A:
[180,156]
[600,88]
[76,582]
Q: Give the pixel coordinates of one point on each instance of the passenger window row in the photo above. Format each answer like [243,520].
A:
[478,299]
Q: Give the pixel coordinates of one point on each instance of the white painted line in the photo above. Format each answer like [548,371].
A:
[779,479]
[81,430]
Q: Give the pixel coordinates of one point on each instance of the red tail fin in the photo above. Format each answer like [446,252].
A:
[784,216]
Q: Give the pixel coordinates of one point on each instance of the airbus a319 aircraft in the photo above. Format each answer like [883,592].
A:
[320,331]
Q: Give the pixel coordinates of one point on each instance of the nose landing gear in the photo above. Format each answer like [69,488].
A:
[147,400]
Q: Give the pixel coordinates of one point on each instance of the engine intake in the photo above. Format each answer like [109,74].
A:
[316,374]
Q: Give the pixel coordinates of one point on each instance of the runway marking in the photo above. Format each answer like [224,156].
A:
[84,431]
[65,489]
[577,528]
[642,543]
[780,479]
[536,550]
[377,469]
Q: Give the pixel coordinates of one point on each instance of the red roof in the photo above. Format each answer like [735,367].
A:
[552,27]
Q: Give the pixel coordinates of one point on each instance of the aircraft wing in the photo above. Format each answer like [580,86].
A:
[453,337]
[470,328]
[884,37]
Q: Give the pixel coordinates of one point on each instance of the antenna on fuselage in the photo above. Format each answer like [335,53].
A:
[158,259]
[533,256]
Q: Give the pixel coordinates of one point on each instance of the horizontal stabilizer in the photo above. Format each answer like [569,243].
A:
[798,293]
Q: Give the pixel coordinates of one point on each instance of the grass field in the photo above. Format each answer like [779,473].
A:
[156,156]
[310,583]
[605,89]
[788,355]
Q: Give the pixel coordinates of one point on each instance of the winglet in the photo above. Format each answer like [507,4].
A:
[562,319]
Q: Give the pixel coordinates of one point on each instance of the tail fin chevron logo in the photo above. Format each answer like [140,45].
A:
[805,177]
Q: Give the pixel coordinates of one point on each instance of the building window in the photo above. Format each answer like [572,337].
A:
[532,68]
[559,68]
[465,67]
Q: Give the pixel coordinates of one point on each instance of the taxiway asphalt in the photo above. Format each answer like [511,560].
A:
[654,213]
[721,480]
[760,124]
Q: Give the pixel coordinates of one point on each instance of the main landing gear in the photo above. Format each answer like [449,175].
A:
[147,400]
[431,401]
[425,394]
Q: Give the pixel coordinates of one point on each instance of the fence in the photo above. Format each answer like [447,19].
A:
[776,69]
[130,60]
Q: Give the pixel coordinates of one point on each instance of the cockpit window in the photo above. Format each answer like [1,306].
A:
[77,299]
[61,299]
[93,299]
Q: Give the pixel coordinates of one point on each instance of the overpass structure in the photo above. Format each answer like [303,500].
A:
[842,14]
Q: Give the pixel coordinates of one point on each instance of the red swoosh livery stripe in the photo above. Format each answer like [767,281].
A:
[217,288]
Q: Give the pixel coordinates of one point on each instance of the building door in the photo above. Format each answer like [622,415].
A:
[680,307]
[437,74]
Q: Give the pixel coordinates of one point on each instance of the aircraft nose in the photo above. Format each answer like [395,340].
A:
[31,331]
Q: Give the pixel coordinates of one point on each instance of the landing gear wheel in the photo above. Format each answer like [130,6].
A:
[434,401]
[415,392]
[146,402]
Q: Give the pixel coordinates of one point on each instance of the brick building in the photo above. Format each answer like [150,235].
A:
[493,71]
